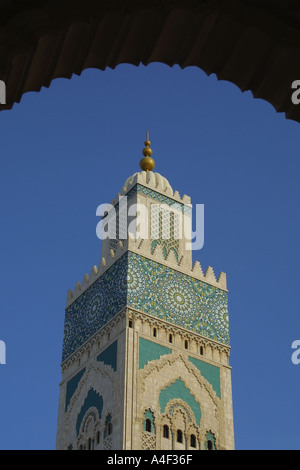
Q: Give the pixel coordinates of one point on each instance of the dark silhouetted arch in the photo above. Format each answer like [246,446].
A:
[251,43]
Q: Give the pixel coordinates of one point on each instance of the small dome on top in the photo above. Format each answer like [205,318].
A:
[147,174]
[156,179]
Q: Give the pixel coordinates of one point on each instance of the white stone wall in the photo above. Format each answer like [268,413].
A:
[104,380]
[143,387]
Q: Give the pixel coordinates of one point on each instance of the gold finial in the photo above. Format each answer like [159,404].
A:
[147,163]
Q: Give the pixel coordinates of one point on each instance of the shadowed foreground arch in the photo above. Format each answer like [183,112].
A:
[254,44]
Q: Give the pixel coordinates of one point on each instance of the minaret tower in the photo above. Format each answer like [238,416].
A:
[145,361]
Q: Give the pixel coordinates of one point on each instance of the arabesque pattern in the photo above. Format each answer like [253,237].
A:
[148,286]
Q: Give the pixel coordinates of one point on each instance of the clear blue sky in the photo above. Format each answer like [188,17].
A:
[69,148]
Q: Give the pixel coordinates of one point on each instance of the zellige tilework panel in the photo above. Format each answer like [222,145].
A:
[138,282]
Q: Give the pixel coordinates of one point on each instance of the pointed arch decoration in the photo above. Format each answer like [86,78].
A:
[178,389]
[93,399]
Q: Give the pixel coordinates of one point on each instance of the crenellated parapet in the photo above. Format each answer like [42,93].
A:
[96,272]
[153,181]
[139,246]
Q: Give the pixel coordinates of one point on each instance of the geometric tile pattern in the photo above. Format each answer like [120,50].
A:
[178,298]
[164,229]
[150,287]
[95,307]
[175,206]
[161,198]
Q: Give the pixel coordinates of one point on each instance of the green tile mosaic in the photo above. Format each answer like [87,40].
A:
[178,298]
[95,307]
[179,390]
[72,385]
[150,351]
[148,286]
[161,198]
[210,373]
[110,355]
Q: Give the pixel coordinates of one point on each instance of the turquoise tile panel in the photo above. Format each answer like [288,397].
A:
[178,298]
[148,286]
[72,385]
[95,307]
[109,355]
[210,373]
[150,351]
[178,389]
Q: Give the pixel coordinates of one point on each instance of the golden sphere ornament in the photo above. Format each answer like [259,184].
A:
[147,163]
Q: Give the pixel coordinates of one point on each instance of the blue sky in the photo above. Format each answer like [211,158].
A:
[69,148]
